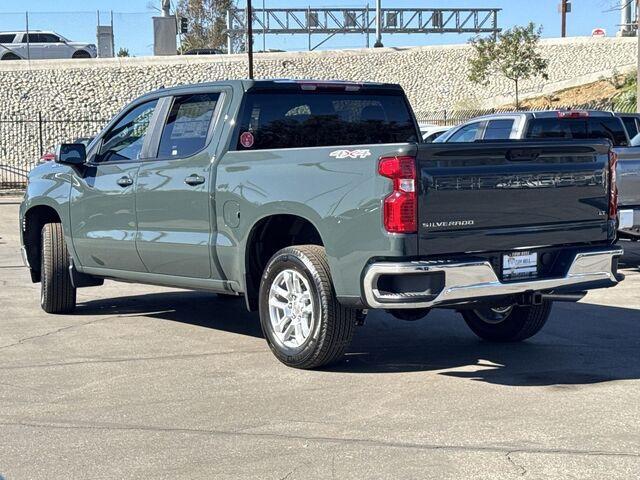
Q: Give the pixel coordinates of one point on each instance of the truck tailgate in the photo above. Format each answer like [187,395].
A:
[501,196]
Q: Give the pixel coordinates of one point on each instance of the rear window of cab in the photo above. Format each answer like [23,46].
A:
[296,119]
[610,128]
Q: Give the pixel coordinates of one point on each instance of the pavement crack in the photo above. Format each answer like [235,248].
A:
[68,425]
[180,356]
[56,331]
[521,469]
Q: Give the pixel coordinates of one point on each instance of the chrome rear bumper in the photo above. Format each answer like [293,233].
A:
[465,282]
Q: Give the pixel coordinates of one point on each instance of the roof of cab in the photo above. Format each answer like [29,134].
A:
[276,84]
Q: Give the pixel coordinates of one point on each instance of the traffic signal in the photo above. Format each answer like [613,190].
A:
[184,25]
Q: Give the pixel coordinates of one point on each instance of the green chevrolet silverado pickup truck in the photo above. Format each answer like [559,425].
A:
[317,201]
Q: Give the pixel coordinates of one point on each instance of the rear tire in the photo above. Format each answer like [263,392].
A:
[303,322]
[58,294]
[11,56]
[518,324]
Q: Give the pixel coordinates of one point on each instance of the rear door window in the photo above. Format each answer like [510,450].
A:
[292,119]
[498,129]
[187,127]
[42,38]
[468,133]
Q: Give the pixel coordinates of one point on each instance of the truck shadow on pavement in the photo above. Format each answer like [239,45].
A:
[581,344]
[226,313]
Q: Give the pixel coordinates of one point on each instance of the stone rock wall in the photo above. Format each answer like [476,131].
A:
[434,78]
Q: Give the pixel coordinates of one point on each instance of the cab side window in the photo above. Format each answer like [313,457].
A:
[125,139]
[468,133]
[187,127]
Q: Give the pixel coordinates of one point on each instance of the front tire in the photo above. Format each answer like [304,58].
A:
[510,324]
[303,322]
[58,294]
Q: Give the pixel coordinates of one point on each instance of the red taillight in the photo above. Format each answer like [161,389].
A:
[48,157]
[613,187]
[573,114]
[401,206]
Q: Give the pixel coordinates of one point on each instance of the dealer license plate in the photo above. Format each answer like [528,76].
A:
[519,265]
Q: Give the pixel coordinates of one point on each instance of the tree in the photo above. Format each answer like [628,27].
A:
[123,52]
[512,54]
[207,23]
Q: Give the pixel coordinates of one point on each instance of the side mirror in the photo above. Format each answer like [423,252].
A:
[74,154]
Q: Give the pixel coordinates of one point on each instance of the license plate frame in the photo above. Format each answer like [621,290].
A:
[519,265]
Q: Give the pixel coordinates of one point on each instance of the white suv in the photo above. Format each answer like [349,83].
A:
[42,45]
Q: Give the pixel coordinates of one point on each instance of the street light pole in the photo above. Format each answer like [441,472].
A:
[563,10]
[249,22]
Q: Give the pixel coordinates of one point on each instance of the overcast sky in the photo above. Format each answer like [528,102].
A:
[76,19]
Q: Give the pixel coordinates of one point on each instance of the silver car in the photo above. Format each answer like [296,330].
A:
[40,45]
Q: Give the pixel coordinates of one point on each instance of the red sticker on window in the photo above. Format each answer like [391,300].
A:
[246,139]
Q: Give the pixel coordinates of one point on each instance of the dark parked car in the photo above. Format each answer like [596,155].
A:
[565,125]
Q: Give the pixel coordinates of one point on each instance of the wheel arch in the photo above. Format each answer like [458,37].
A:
[269,234]
[81,53]
[11,56]
[34,219]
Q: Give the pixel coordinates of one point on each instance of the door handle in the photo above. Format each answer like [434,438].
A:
[125,181]
[194,180]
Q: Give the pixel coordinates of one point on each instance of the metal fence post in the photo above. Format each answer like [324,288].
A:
[26,18]
[40,133]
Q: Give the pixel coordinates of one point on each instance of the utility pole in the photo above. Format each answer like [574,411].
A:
[563,13]
[249,22]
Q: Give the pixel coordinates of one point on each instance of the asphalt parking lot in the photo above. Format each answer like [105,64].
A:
[147,382]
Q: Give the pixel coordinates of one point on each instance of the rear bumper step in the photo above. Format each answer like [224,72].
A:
[457,283]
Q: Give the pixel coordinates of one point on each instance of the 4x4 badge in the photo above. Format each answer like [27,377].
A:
[364,153]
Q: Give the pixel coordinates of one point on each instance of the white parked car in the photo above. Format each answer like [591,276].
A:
[431,132]
[41,45]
